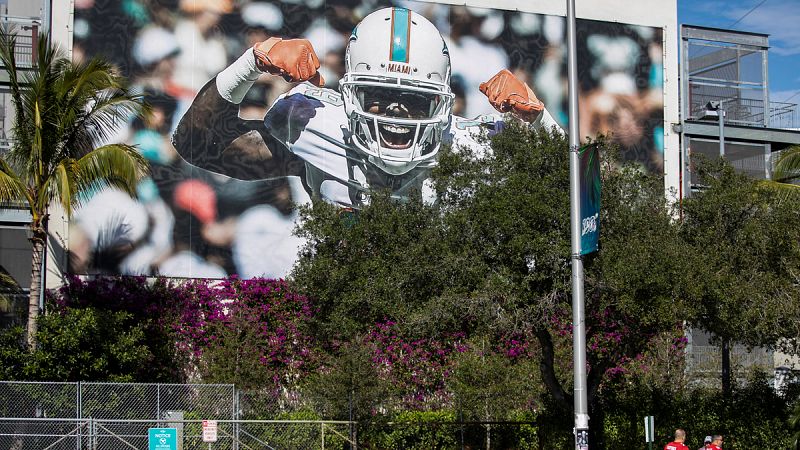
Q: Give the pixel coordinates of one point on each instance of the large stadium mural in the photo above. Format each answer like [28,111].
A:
[261,105]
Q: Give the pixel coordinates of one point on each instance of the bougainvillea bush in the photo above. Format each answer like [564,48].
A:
[417,368]
[254,333]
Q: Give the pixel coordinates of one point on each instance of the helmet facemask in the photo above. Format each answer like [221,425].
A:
[398,111]
[399,125]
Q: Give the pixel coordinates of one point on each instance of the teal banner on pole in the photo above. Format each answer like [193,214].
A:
[162,438]
[590,197]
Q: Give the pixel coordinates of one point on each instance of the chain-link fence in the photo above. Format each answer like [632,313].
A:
[157,401]
[99,416]
[456,435]
[96,416]
[107,434]
[117,400]
[42,433]
[40,400]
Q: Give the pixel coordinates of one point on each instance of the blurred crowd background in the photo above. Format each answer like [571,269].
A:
[188,222]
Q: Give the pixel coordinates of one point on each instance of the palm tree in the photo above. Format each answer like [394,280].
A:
[63,112]
[787,168]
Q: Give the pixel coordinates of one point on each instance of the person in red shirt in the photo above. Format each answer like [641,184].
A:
[716,443]
[677,444]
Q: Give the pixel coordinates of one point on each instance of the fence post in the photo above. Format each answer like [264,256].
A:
[322,430]
[158,402]
[79,416]
[353,446]
[237,415]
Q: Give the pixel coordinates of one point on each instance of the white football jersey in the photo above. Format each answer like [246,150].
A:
[312,124]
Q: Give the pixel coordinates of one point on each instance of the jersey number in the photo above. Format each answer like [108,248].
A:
[324,95]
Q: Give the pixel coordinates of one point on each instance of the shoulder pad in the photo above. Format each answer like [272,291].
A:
[289,116]
[291,112]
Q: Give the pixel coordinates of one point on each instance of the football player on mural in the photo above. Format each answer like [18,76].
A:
[382,130]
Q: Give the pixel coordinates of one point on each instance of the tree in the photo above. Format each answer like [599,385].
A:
[383,262]
[152,309]
[514,207]
[103,329]
[63,112]
[745,237]
[491,258]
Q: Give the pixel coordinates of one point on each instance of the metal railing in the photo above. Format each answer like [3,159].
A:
[708,358]
[748,111]
[783,115]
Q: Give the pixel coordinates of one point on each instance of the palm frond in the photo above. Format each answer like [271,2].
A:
[12,189]
[88,77]
[63,111]
[109,111]
[35,105]
[785,192]
[787,168]
[62,185]
[8,43]
[113,165]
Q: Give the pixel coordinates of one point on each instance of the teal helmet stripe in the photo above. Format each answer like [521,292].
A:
[401,30]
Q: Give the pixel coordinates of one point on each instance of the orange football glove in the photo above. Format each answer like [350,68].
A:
[508,94]
[293,59]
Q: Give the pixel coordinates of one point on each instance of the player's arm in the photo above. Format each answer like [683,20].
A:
[212,136]
[507,93]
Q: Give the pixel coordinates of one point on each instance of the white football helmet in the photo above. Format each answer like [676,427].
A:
[396,89]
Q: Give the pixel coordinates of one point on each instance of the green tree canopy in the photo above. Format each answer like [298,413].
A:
[491,258]
[746,240]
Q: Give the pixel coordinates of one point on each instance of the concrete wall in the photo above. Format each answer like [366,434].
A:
[61,15]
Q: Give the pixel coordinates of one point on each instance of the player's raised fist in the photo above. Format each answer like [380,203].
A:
[293,59]
[508,94]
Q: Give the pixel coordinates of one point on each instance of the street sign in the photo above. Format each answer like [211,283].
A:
[209,431]
[582,439]
[163,438]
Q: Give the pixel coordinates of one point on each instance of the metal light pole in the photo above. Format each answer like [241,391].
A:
[578,316]
[726,351]
[721,113]
[714,109]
